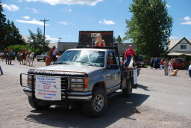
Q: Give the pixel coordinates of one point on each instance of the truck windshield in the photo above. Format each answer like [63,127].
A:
[83,57]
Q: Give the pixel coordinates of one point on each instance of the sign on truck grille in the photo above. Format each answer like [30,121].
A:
[48,88]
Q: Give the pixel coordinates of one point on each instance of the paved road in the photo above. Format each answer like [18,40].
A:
[159,102]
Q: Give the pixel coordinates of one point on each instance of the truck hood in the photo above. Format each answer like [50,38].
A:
[68,68]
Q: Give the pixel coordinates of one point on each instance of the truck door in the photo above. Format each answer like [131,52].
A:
[112,74]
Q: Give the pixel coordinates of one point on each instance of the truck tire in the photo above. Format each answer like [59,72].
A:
[128,90]
[97,106]
[37,105]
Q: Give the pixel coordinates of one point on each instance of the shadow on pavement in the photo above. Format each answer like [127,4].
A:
[143,87]
[119,107]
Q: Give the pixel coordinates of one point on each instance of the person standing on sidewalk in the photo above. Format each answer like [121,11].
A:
[6,55]
[189,69]
[161,64]
[170,65]
[10,56]
[1,71]
[165,63]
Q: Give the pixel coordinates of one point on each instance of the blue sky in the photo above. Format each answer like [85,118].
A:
[67,17]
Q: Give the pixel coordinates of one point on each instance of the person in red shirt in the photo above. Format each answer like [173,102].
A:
[128,54]
[130,51]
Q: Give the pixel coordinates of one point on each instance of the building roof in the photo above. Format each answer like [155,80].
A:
[174,42]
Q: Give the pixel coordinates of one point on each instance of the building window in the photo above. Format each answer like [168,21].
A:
[183,47]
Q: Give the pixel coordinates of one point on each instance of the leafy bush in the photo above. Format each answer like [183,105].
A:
[19,47]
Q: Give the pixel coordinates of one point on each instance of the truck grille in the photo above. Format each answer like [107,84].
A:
[64,83]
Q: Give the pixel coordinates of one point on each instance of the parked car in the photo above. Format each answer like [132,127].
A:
[1,55]
[179,63]
[155,62]
[41,57]
[140,61]
[86,75]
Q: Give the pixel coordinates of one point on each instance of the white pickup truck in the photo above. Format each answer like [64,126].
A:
[87,75]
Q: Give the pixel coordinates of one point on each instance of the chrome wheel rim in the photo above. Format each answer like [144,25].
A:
[98,103]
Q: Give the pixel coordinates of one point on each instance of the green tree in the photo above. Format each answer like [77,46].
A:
[119,39]
[36,41]
[149,27]
[2,27]
[9,33]
[13,36]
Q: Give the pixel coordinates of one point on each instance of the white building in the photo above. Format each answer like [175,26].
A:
[179,47]
[50,45]
[63,46]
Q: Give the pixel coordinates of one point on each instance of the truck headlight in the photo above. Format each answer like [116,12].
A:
[29,80]
[79,83]
[77,80]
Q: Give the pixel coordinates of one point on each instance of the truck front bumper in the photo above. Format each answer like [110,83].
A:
[65,95]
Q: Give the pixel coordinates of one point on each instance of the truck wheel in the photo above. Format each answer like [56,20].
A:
[37,104]
[128,90]
[97,106]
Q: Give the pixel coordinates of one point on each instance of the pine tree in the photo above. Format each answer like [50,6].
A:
[119,40]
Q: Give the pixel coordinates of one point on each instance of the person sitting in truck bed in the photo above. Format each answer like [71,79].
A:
[99,42]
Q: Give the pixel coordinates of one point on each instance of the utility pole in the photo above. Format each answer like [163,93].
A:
[44,21]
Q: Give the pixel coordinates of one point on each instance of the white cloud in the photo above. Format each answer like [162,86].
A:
[26,17]
[63,22]
[187,20]
[186,23]
[34,10]
[33,21]
[52,39]
[68,2]
[10,7]
[106,22]
[168,6]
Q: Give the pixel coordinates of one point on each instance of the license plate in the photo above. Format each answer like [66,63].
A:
[48,88]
